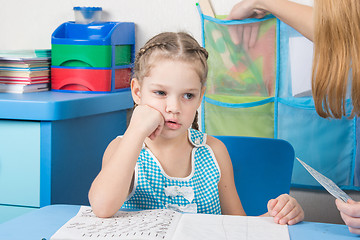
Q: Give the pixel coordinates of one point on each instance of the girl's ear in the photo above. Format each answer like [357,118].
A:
[135,90]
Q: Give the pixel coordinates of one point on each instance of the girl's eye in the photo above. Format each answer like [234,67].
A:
[188,95]
[160,93]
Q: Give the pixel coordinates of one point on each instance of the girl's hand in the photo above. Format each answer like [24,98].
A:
[148,120]
[285,210]
[350,213]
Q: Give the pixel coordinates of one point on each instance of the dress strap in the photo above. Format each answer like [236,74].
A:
[197,138]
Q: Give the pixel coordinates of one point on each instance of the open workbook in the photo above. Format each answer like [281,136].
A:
[168,224]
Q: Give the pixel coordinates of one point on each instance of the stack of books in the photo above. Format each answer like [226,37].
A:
[25,71]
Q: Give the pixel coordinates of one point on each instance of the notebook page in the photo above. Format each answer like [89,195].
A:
[147,224]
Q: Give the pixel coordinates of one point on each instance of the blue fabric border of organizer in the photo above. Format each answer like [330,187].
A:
[303,103]
[239,105]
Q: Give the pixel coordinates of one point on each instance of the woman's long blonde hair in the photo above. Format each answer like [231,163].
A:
[336,51]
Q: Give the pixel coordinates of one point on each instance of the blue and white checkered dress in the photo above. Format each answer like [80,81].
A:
[197,193]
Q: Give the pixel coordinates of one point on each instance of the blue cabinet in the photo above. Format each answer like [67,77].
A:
[51,146]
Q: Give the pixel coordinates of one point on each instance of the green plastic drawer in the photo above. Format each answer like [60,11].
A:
[122,55]
[97,56]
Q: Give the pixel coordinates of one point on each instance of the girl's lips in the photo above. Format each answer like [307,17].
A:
[172,125]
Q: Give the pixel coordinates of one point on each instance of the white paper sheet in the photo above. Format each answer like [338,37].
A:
[301,57]
[215,227]
[167,224]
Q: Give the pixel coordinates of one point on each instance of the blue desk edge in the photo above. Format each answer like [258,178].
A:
[52,106]
[44,222]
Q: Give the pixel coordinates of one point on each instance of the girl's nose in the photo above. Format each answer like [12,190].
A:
[172,105]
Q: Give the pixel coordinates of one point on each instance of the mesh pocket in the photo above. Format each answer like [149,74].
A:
[295,65]
[229,115]
[239,63]
[241,81]
[326,145]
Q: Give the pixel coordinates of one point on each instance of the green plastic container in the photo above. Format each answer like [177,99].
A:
[95,56]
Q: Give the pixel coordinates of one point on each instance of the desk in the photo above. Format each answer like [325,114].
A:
[51,146]
[44,222]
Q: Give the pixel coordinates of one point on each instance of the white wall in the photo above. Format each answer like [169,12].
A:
[28,24]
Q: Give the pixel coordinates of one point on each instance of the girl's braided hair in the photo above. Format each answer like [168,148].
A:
[172,46]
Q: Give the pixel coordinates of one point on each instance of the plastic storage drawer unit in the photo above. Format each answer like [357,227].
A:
[95,57]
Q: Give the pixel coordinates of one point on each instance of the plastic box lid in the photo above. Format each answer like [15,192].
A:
[96,33]
[86,15]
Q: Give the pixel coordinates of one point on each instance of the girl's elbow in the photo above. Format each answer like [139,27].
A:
[102,209]
[103,212]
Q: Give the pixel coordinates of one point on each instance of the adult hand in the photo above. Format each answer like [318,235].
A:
[285,210]
[246,9]
[350,213]
[245,34]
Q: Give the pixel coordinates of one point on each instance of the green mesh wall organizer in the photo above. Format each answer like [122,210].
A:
[250,92]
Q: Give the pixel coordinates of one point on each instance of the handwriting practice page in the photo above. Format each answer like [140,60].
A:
[148,224]
[167,224]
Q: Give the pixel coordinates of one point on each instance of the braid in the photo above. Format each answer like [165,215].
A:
[143,50]
[172,46]
[153,45]
[200,50]
[195,124]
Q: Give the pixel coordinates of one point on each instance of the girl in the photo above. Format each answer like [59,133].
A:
[161,162]
[333,25]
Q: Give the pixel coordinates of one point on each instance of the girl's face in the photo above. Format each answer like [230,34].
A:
[174,89]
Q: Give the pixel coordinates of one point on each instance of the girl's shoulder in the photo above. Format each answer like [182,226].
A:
[216,145]
[221,154]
